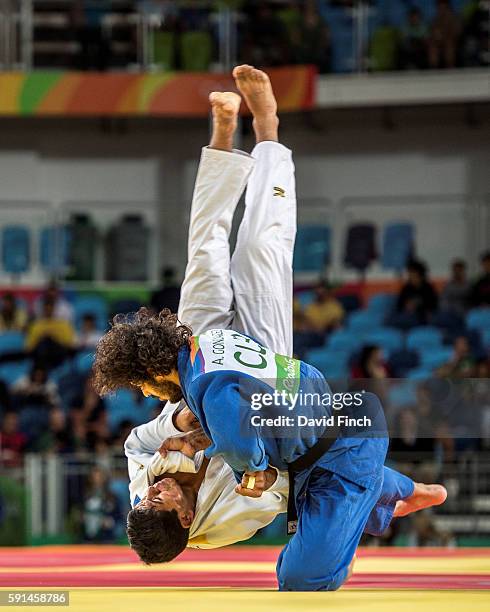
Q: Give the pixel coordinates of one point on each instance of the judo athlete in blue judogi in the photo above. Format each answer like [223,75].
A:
[258,407]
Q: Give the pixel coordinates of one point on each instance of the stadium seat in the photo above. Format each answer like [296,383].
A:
[350,302]
[332,364]
[398,246]
[389,339]
[382,302]
[450,322]
[421,338]
[486,338]
[305,298]
[196,51]
[127,247]
[344,340]
[11,372]
[364,321]
[402,394]
[360,249]
[312,249]
[433,358]
[84,361]
[54,247]
[11,342]
[421,373]
[91,304]
[164,47]
[478,318]
[81,260]
[123,406]
[403,361]
[16,246]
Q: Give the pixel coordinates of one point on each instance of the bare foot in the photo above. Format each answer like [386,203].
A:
[225,106]
[424,496]
[255,86]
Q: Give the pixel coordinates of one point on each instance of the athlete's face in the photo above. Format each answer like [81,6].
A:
[166,495]
[164,389]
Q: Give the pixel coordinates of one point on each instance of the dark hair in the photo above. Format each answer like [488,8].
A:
[419,267]
[365,355]
[138,347]
[156,536]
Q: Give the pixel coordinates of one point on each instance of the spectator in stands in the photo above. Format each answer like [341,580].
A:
[88,21]
[407,437]
[4,398]
[462,363]
[50,340]
[414,43]
[444,37]
[168,296]
[89,334]
[455,295]
[56,438]
[371,364]
[417,296]
[325,313]
[12,318]
[36,389]
[12,441]
[62,308]
[480,292]
[100,508]
[311,39]
[265,38]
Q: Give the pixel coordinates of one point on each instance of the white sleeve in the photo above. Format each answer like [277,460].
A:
[144,460]
[281,484]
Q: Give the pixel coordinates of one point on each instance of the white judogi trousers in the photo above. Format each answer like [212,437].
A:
[251,292]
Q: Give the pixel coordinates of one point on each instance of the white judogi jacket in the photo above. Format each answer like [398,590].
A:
[222,517]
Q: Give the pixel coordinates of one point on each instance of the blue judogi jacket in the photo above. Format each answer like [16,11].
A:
[223,371]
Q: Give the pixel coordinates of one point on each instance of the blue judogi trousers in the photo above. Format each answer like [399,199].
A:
[333,513]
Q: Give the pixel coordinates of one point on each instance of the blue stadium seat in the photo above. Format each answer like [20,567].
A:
[350,302]
[421,338]
[123,405]
[364,321]
[402,362]
[16,247]
[305,297]
[486,338]
[11,342]
[91,304]
[449,321]
[344,340]
[382,302]
[433,358]
[332,364]
[84,361]
[312,250]
[360,246]
[11,372]
[478,318]
[389,339]
[398,246]
[421,373]
[402,394]
[54,248]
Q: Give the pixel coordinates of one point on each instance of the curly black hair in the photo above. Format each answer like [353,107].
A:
[138,347]
[156,536]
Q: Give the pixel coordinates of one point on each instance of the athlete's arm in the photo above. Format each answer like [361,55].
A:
[225,403]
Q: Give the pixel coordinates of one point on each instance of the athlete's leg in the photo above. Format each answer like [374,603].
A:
[332,515]
[261,266]
[207,296]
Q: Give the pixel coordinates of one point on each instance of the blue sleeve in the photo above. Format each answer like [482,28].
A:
[223,402]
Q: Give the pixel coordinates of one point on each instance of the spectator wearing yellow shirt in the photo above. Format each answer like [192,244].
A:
[50,339]
[325,312]
[12,318]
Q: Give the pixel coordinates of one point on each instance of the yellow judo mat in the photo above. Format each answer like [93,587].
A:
[236,579]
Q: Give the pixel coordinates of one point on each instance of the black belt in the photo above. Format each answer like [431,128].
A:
[303,463]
